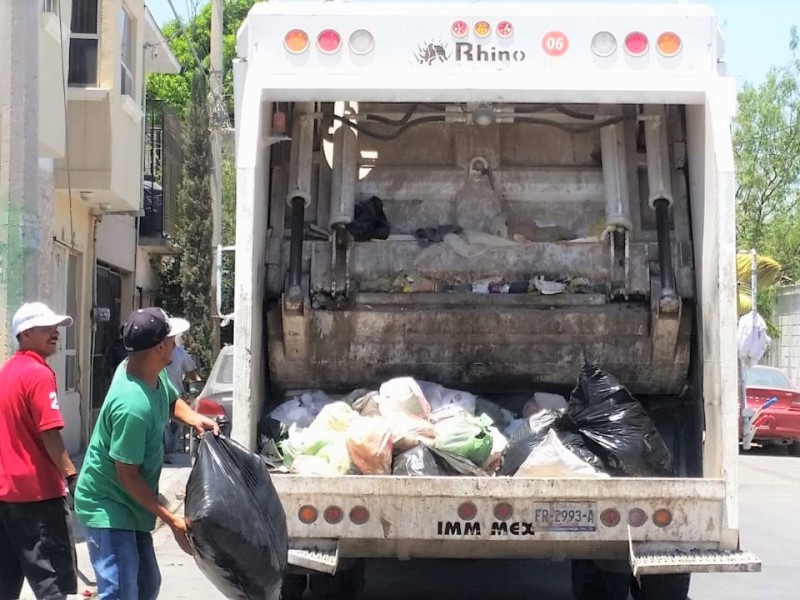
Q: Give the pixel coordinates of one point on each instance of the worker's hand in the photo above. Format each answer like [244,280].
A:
[181,533]
[202,424]
[72,482]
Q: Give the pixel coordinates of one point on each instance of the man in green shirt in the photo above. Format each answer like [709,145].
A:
[117,493]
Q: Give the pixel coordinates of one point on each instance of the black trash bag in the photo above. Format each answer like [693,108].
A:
[452,464]
[575,443]
[616,426]
[526,438]
[594,386]
[417,462]
[369,221]
[236,522]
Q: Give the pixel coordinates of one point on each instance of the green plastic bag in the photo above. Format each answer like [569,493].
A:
[469,437]
[330,446]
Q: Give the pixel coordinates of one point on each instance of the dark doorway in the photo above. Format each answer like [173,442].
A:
[109,295]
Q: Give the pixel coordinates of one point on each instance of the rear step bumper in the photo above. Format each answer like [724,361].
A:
[646,560]
[322,556]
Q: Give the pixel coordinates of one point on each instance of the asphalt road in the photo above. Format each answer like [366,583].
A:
[770,501]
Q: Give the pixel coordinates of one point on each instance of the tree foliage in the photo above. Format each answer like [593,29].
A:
[186,39]
[194,226]
[767,143]
[767,150]
[175,90]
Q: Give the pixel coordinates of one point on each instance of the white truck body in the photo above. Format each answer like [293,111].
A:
[547,60]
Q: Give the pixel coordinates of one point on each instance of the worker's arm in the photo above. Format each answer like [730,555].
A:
[183,413]
[57,452]
[194,375]
[131,480]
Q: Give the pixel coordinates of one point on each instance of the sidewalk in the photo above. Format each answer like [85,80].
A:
[172,486]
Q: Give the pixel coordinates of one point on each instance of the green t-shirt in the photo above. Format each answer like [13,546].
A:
[130,430]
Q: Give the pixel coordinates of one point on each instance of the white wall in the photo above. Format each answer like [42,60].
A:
[785,350]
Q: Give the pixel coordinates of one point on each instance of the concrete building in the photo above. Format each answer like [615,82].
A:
[93,61]
[785,350]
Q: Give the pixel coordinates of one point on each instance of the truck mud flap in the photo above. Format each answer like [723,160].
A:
[650,562]
[315,555]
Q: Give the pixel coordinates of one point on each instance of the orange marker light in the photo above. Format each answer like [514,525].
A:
[669,44]
[296,41]
[482,29]
[662,517]
[307,514]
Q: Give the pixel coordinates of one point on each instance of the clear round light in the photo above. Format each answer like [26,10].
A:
[361,42]
[604,44]
[637,517]
[636,44]
[329,41]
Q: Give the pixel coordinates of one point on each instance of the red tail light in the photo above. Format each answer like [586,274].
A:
[467,511]
[333,515]
[209,408]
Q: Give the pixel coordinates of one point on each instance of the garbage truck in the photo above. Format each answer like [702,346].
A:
[397,160]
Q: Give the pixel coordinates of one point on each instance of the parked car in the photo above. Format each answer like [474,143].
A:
[215,400]
[779,424]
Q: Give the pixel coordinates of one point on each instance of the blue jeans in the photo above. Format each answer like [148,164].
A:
[124,563]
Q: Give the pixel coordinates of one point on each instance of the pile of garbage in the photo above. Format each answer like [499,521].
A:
[420,428]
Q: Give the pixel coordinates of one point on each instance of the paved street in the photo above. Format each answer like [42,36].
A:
[770,489]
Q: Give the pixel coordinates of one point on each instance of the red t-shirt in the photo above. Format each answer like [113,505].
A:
[28,406]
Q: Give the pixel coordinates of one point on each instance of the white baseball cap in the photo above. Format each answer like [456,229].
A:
[37,314]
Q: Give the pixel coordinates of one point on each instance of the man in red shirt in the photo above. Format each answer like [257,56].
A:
[35,470]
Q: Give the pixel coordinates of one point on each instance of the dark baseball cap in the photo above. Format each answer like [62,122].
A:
[148,327]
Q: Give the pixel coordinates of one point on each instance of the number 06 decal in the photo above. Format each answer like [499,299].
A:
[555,43]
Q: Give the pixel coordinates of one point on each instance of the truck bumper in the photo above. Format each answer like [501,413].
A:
[427,518]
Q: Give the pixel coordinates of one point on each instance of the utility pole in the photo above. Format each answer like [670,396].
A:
[19,161]
[217,120]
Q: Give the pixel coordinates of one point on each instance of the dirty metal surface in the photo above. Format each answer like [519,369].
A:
[479,347]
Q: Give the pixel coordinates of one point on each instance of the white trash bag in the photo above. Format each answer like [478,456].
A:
[551,459]
[403,395]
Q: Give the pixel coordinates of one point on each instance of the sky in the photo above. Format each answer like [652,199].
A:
[756,31]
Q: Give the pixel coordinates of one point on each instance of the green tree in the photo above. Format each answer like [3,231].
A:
[767,145]
[194,225]
[189,43]
[175,90]
[767,151]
